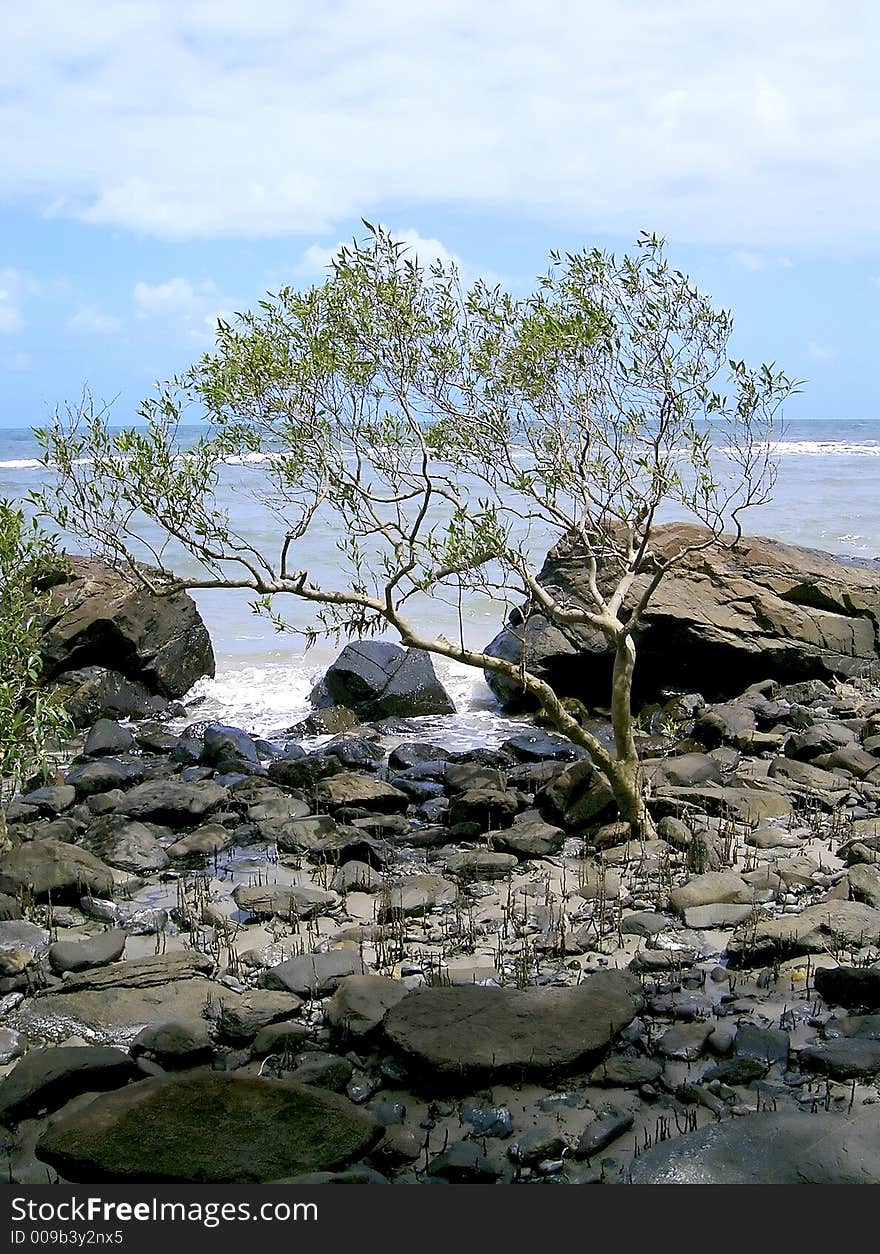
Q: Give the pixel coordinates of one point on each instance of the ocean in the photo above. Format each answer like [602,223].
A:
[826,496]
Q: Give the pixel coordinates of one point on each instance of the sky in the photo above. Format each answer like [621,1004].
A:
[165,163]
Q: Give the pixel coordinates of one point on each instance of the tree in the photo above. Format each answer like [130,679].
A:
[31,716]
[447,430]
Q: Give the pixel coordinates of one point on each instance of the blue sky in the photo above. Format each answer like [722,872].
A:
[164,164]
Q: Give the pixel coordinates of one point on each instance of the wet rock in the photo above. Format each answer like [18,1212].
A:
[482,809]
[97,951]
[618,1071]
[465,1162]
[381,680]
[769,1148]
[12,1046]
[224,748]
[466,1032]
[46,1078]
[279,1038]
[299,835]
[102,617]
[765,1045]
[541,746]
[258,1130]
[94,692]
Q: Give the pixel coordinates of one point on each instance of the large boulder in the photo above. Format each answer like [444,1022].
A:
[377,680]
[722,620]
[51,868]
[207,1127]
[102,618]
[471,1032]
[769,1148]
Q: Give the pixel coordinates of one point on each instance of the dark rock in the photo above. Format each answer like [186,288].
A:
[381,680]
[605,1128]
[46,1078]
[174,1044]
[102,618]
[107,738]
[97,951]
[225,747]
[541,746]
[91,778]
[51,799]
[125,844]
[324,1071]
[93,692]
[849,986]
[349,789]
[845,1058]
[169,801]
[532,839]
[207,1127]
[406,756]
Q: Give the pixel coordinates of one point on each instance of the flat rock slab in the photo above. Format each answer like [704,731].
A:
[816,930]
[286,901]
[208,1127]
[45,1078]
[470,1031]
[769,1148]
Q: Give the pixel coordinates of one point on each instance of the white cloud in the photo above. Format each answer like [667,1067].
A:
[746,259]
[182,305]
[317,259]
[752,126]
[89,320]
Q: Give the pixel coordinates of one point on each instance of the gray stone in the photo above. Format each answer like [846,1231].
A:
[46,1078]
[173,802]
[361,1002]
[769,1148]
[285,901]
[813,931]
[97,951]
[466,1032]
[314,975]
[46,867]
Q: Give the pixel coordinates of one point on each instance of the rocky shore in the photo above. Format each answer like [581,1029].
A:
[349,954]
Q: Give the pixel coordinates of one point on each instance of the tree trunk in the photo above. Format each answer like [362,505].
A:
[626,776]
